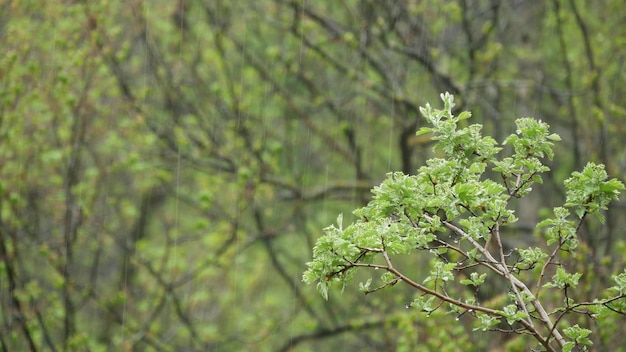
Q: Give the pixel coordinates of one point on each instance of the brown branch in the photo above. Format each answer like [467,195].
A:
[501,269]
[14,300]
[280,268]
[508,275]
[330,332]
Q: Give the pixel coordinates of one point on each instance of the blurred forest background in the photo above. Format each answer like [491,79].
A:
[166,166]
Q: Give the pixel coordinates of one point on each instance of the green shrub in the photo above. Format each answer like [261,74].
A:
[453,210]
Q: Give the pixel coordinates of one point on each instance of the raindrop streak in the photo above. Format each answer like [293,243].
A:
[146,31]
[296,275]
[176,206]
[237,243]
[176,231]
[392,112]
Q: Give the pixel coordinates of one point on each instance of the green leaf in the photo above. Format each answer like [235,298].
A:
[563,279]
[475,279]
[530,257]
[464,115]
[322,288]
[423,130]
[554,137]
[578,334]
[364,287]
[512,314]
[423,303]
[486,321]
[620,281]
[340,221]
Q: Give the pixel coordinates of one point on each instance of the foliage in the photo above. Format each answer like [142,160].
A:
[165,165]
[456,195]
